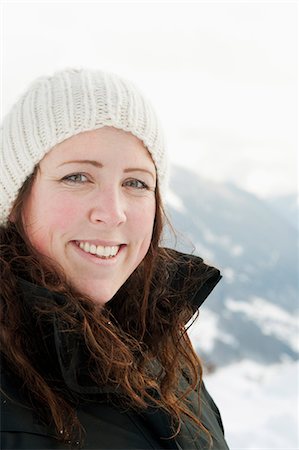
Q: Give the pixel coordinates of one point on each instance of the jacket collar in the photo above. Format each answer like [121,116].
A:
[193,267]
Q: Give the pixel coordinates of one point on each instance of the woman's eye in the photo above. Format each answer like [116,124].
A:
[75,178]
[137,184]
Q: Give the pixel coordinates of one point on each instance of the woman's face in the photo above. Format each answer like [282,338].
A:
[92,209]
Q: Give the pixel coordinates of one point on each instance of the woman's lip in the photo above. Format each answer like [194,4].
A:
[98,242]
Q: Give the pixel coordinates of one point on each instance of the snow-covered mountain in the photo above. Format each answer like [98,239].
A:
[253,312]
[258,404]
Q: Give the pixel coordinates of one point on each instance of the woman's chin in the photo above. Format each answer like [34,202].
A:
[100,294]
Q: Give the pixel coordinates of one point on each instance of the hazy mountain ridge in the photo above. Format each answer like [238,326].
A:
[253,312]
[288,207]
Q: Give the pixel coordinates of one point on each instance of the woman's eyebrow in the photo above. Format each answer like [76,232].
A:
[100,165]
[83,161]
[139,169]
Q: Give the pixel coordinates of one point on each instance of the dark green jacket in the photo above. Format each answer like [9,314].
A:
[106,425]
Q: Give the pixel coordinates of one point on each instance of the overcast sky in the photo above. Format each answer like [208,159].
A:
[222,75]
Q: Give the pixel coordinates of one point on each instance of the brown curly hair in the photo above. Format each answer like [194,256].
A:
[137,343]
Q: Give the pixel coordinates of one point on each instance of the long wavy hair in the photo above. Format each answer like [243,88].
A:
[137,343]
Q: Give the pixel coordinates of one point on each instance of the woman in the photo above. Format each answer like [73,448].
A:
[95,353]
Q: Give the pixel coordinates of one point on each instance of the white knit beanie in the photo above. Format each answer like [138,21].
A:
[69,102]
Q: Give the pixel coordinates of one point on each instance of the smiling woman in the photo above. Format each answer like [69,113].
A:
[95,218]
[94,347]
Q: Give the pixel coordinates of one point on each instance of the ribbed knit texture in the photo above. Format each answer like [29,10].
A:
[69,102]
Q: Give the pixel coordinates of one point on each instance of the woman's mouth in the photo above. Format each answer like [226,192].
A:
[101,251]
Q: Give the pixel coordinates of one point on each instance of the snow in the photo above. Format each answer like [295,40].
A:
[272,319]
[229,274]
[258,404]
[210,321]
[223,241]
[207,325]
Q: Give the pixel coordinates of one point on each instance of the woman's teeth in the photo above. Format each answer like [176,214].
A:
[99,250]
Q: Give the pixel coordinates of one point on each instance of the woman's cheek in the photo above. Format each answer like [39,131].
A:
[63,214]
[150,211]
[144,218]
[56,222]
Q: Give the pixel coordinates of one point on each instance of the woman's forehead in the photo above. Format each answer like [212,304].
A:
[103,145]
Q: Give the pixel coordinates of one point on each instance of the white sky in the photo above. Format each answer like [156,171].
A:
[221,75]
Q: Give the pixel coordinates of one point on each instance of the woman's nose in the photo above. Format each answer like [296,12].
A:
[108,207]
